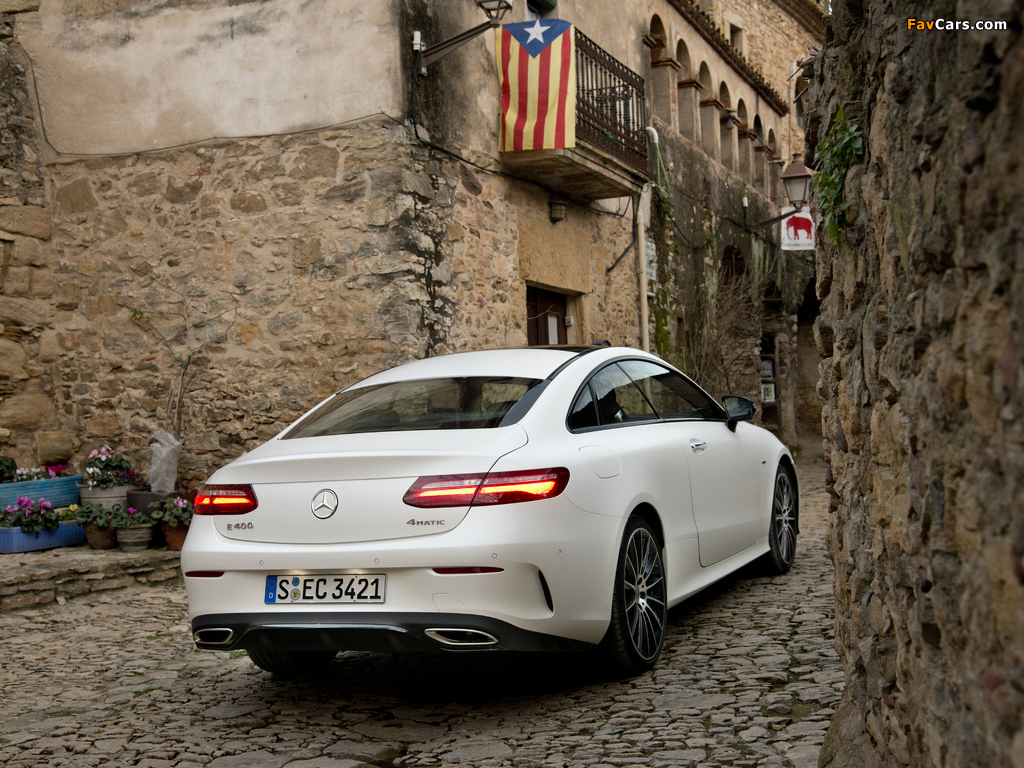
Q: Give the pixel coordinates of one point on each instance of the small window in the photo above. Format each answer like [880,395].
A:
[738,38]
[618,399]
[673,396]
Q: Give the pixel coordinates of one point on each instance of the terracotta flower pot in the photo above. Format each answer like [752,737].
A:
[100,538]
[174,535]
[135,538]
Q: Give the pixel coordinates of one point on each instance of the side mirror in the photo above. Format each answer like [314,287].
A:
[737,409]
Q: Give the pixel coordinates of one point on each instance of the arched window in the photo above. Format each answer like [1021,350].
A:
[709,130]
[744,142]
[800,100]
[663,70]
[760,157]
[727,128]
[775,174]
[687,94]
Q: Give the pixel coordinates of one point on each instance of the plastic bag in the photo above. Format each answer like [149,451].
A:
[163,462]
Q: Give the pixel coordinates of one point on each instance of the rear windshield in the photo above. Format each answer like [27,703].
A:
[400,406]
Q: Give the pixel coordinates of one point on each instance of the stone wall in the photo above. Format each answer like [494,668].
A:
[921,331]
[289,268]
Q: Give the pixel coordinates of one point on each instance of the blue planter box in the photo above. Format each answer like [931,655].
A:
[60,492]
[67,535]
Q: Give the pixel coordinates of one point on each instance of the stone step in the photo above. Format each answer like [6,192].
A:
[38,578]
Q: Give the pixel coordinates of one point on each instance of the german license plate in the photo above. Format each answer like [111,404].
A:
[347,588]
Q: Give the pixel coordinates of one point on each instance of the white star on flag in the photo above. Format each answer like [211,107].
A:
[537,31]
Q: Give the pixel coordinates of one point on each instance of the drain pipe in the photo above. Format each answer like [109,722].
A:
[641,257]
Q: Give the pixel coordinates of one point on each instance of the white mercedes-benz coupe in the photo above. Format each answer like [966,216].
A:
[515,499]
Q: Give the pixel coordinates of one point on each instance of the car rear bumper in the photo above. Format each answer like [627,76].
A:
[553,564]
[403,632]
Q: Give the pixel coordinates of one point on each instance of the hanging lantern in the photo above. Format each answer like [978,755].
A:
[542,6]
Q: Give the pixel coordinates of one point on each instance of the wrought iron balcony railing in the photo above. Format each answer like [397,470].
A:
[611,112]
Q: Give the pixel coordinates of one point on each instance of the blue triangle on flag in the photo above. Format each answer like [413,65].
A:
[538,34]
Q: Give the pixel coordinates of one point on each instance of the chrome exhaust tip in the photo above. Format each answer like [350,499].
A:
[461,638]
[219,636]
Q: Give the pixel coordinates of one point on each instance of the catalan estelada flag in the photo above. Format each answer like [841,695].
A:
[537,71]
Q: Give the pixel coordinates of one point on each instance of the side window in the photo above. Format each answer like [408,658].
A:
[583,413]
[673,396]
[618,399]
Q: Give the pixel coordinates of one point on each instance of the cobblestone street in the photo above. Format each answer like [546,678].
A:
[749,678]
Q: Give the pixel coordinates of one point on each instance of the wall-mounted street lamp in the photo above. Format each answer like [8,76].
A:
[425,56]
[797,181]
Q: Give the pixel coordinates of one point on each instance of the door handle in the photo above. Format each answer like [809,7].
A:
[698,446]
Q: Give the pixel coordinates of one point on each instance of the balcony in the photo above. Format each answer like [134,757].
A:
[610,156]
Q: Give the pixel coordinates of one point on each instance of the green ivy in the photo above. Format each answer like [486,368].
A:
[836,152]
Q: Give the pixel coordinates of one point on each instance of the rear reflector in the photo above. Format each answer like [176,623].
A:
[225,500]
[471,569]
[204,574]
[481,490]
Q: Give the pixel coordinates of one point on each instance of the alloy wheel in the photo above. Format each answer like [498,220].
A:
[643,583]
[784,517]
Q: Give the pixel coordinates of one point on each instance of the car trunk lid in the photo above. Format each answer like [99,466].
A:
[349,488]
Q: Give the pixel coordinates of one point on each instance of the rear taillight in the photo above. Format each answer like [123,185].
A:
[481,490]
[225,500]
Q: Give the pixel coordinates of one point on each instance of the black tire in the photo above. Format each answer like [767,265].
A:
[783,528]
[636,634]
[291,663]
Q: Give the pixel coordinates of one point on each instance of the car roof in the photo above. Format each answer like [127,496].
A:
[521,362]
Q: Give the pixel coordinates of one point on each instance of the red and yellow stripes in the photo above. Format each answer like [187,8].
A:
[538,95]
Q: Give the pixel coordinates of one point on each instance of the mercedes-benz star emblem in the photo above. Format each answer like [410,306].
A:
[325,503]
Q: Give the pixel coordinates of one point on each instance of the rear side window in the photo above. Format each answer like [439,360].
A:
[424,404]
[584,412]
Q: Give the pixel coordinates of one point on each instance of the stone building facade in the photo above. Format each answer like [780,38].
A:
[727,301]
[923,378]
[156,273]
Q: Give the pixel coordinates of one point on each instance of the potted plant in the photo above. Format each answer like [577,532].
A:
[8,467]
[174,515]
[108,478]
[134,528]
[96,522]
[53,483]
[32,525]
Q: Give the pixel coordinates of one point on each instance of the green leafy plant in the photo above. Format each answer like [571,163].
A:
[129,517]
[173,511]
[105,468]
[31,516]
[92,513]
[836,152]
[8,468]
